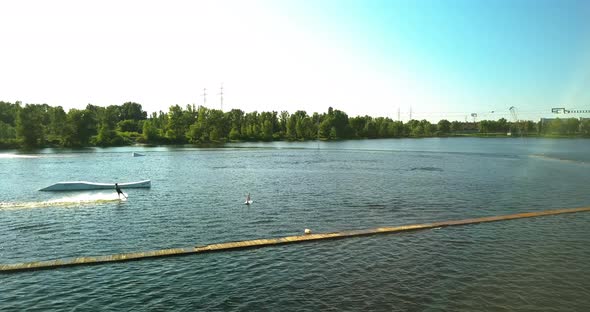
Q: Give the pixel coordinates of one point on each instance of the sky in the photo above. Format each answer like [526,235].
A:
[434,58]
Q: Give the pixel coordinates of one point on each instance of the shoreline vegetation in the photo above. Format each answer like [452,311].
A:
[41,125]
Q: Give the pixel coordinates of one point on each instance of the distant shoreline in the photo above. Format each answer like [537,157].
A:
[41,125]
[220,144]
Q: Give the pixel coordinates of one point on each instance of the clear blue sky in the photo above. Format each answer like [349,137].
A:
[442,58]
[493,54]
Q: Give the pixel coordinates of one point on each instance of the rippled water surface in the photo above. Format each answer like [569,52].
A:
[197,198]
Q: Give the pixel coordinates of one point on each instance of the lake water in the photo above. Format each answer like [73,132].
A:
[197,198]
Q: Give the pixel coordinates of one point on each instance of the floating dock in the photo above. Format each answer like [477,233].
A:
[50,264]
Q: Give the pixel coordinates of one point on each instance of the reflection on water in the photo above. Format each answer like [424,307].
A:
[558,158]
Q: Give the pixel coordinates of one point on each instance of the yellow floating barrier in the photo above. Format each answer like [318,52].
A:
[49,264]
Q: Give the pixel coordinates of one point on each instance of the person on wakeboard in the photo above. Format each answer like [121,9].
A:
[119,192]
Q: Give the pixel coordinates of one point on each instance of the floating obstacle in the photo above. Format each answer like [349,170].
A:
[85,186]
[49,264]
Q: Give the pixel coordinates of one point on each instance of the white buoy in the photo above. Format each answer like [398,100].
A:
[307,231]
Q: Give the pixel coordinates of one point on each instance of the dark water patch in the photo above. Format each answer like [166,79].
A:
[426,169]
[384,206]
[375,206]
[34,227]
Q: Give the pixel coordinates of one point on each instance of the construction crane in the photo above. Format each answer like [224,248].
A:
[513,114]
[514,119]
[562,110]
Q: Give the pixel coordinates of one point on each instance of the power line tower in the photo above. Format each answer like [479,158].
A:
[398,117]
[204,96]
[221,96]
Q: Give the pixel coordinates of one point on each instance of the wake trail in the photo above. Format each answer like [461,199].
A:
[74,200]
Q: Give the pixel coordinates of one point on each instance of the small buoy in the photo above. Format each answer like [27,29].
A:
[307,231]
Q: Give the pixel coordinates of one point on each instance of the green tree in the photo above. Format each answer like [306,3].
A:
[382,125]
[572,126]
[333,133]
[8,112]
[267,130]
[132,111]
[29,126]
[217,125]
[128,125]
[556,126]
[530,126]
[235,118]
[81,125]
[371,129]
[283,118]
[176,127]
[358,126]
[57,125]
[7,133]
[105,136]
[292,127]
[456,126]
[502,126]
[444,126]
[484,126]
[414,128]
[300,129]
[585,126]
[108,118]
[396,129]
[149,132]
[234,134]
[326,128]
[309,128]
[199,131]
[160,121]
[340,123]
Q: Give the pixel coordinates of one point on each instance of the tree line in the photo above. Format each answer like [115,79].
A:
[41,125]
